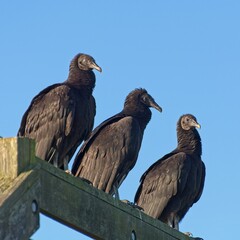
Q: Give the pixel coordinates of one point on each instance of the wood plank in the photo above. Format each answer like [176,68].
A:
[88,210]
[25,180]
[18,218]
[16,154]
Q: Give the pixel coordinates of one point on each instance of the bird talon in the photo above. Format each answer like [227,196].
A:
[132,204]
[68,172]
[191,236]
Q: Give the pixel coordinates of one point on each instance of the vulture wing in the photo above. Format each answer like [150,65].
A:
[49,119]
[110,153]
[90,139]
[202,177]
[162,182]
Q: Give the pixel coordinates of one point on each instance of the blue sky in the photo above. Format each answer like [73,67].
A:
[185,53]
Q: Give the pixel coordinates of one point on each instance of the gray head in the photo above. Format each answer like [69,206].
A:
[86,63]
[188,121]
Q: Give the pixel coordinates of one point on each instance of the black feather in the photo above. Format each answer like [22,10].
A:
[62,115]
[112,149]
[175,182]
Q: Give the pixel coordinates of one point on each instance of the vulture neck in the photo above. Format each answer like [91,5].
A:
[80,79]
[189,141]
[143,115]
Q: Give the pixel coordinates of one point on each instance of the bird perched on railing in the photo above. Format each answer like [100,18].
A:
[62,115]
[175,182]
[111,152]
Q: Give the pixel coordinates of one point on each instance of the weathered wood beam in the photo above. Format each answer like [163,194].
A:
[19,210]
[66,199]
[20,192]
[16,154]
[88,210]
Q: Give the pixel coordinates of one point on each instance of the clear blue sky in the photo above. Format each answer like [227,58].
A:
[185,53]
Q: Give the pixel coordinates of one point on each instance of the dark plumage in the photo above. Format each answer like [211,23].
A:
[62,115]
[112,149]
[175,182]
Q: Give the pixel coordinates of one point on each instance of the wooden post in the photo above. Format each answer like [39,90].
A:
[20,189]
[16,154]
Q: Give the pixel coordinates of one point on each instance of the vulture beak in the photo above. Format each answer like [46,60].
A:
[195,124]
[95,66]
[153,104]
[198,125]
[150,102]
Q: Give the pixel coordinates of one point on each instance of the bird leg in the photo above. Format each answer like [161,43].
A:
[54,158]
[173,221]
[170,224]
[176,223]
[65,165]
[115,192]
[55,162]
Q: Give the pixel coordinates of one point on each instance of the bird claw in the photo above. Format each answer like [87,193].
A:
[68,172]
[132,204]
[191,236]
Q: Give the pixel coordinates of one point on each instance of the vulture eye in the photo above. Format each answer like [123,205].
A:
[82,61]
[144,98]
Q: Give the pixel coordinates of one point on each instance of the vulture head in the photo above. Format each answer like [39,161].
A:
[80,71]
[188,122]
[148,101]
[86,62]
[139,99]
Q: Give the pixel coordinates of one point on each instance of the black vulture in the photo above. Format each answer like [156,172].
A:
[112,149]
[62,115]
[175,182]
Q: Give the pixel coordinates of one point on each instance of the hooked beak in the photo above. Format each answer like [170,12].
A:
[153,104]
[95,66]
[198,125]
[195,124]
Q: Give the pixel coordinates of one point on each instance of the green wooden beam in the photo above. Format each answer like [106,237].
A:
[19,207]
[68,200]
[88,210]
